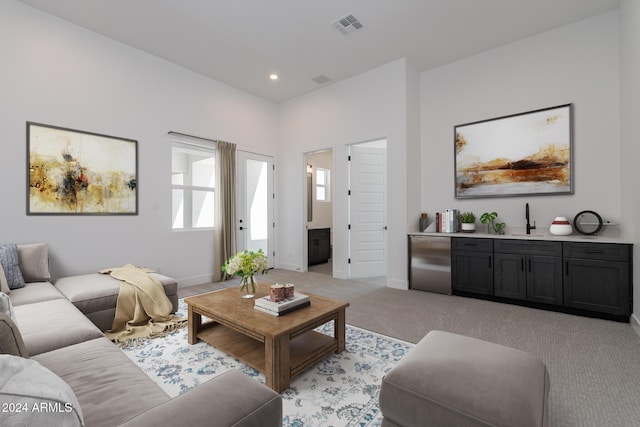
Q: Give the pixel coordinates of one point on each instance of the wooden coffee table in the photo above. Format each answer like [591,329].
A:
[280,347]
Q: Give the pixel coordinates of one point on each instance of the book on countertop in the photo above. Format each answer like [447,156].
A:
[265,302]
[282,312]
[447,221]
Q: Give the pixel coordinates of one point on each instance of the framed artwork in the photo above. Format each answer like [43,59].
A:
[529,153]
[71,172]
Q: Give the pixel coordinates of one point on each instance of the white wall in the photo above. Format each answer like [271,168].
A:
[630,129]
[56,73]
[577,64]
[369,106]
[414,157]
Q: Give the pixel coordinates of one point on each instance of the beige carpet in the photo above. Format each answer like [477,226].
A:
[594,364]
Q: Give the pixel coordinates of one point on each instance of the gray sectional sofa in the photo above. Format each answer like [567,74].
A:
[84,379]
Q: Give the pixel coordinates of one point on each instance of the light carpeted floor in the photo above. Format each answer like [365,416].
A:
[594,364]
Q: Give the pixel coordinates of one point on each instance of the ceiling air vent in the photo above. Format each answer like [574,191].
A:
[347,25]
[321,79]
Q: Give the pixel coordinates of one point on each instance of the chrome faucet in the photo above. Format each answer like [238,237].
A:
[529,226]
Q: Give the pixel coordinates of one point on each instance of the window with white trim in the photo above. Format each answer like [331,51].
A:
[322,185]
[193,172]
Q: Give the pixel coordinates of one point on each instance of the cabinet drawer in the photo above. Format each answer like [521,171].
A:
[528,247]
[319,233]
[472,244]
[601,251]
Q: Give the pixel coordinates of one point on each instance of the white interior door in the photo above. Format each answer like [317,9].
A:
[255,203]
[367,209]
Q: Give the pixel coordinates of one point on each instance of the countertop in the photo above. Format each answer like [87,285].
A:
[605,237]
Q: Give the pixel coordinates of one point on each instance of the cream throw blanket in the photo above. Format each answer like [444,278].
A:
[143,310]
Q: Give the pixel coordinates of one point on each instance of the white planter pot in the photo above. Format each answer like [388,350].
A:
[466,227]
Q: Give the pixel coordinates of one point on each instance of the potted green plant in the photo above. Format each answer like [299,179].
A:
[492,226]
[467,222]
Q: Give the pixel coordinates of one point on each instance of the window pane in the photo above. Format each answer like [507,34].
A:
[257,200]
[204,172]
[323,178]
[178,209]
[203,209]
[197,166]
[192,169]
[177,178]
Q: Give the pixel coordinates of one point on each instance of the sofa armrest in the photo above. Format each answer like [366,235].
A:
[230,399]
[10,339]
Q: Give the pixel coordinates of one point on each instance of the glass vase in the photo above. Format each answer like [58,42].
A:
[248,287]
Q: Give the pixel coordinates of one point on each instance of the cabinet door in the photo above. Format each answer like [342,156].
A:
[319,242]
[597,285]
[509,276]
[472,272]
[544,279]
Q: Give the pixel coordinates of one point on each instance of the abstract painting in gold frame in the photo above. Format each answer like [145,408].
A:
[529,153]
[71,172]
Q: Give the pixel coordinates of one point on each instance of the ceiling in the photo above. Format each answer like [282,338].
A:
[241,42]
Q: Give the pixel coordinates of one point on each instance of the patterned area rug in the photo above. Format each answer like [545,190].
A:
[340,391]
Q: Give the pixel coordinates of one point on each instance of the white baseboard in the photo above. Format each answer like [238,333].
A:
[290,267]
[398,284]
[635,324]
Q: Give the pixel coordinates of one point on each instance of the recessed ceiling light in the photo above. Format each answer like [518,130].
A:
[273,76]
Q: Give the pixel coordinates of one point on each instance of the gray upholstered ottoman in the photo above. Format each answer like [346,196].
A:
[453,380]
[95,295]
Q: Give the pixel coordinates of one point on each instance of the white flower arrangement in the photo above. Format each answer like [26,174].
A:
[246,264]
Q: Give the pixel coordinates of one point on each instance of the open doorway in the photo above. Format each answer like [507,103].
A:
[319,209]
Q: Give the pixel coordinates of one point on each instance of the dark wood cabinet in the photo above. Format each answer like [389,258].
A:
[528,270]
[544,279]
[598,277]
[509,279]
[586,278]
[472,265]
[319,243]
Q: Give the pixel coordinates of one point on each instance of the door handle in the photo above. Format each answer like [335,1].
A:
[244,228]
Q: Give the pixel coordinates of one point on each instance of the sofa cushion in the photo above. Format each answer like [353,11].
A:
[11,266]
[11,341]
[32,395]
[110,387]
[240,401]
[97,292]
[33,259]
[6,307]
[35,292]
[4,285]
[49,325]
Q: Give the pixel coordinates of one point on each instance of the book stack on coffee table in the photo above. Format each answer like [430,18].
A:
[280,308]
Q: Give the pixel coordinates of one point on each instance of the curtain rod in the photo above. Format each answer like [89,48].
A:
[171,132]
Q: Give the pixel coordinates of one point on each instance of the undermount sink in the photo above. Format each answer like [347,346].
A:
[526,235]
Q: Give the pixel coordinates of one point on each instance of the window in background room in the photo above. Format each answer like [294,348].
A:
[193,174]
[322,185]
